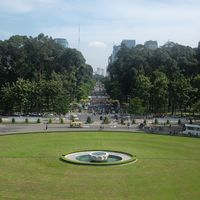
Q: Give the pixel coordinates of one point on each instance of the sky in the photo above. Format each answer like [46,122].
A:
[103,23]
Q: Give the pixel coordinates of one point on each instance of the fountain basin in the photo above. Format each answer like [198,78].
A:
[98,156]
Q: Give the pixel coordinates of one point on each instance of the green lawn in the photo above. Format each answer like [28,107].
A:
[168,167]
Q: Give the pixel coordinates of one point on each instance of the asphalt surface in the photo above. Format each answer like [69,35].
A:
[21,127]
[28,128]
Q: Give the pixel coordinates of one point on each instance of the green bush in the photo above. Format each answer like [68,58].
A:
[89,120]
[133,121]
[26,120]
[13,120]
[38,120]
[122,122]
[50,121]
[106,120]
[156,121]
[62,121]
[1,120]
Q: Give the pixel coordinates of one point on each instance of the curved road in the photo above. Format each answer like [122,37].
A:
[28,128]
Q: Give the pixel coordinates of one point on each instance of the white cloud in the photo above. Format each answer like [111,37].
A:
[23,6]
[20,6]
[97,44]
[109,21]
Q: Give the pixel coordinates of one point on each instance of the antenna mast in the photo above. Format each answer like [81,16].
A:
[79,40]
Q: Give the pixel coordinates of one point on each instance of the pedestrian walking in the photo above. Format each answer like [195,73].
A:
[128,125]
[46,126]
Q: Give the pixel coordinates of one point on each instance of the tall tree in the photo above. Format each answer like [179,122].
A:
[142,89]
[45,68]
[159,91]
[179,93]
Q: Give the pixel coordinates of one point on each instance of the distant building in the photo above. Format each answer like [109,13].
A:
[63,42]
[116,48]
[114,53]
[100,71]
[113,56]
[128,43]
[151,44]
[110,59]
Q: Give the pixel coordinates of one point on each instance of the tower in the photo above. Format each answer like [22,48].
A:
[79,40]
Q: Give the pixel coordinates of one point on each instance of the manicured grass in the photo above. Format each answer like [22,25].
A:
[168,167]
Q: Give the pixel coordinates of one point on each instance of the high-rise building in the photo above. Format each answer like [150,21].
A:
[100,71]
[128,43]
[151,44]
[116,48]
[113,56]
[115,51]
[62,41]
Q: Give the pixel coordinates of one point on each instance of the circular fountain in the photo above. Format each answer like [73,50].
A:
[98,157]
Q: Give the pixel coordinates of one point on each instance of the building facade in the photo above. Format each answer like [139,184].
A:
[128,43]
[116,48]
[99,71]
[151,44]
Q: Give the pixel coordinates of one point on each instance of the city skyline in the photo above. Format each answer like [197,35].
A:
[102,23]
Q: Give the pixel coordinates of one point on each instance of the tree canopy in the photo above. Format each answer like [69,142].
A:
[162,80]
[37,75]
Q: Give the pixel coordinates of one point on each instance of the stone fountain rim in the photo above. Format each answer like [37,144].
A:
[71,157]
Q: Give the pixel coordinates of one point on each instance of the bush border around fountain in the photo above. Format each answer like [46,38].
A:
[133,158]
